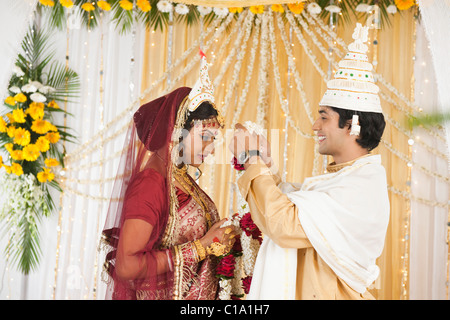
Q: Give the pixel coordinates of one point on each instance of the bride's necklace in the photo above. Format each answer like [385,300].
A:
[192,189]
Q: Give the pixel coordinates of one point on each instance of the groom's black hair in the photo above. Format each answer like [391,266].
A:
[372,126]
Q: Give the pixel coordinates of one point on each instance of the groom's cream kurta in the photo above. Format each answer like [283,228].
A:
[278,218]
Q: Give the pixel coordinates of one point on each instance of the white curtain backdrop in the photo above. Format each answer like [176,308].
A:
[17,13]
[428,243]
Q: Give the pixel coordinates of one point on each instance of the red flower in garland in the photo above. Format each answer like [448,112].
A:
[250,228]
[237,166]
[246,282]
[225,269]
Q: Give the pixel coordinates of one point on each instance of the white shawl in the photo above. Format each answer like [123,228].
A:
[345,217]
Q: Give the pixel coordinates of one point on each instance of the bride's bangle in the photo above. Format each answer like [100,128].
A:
[201,251]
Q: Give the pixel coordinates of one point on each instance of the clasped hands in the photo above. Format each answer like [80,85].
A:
[244,141]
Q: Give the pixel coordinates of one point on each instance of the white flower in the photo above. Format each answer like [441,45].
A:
[47,89]
[37,84]
[182,9]
[37,97]
[18,71]
[333,9]
[392,9]
[204,10]
[314,8]
[164,6]
[14,89]
[29,88]
[221,12]
[363,7]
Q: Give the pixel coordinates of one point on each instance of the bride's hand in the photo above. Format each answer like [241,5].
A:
[225,235]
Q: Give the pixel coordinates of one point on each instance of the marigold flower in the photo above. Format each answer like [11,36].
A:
[53,104]
[31,152]
[87,6]
[10,131]
[41,126]
[235,9]
[50,162]
[3,125]
[9,147]
[21,137]
[104,5]
[277,8]
[144,5]
[18,116]
[53,137]
[10,101]
[36,110]
[17,155]
[404,4]
[296,8]
[16,169]
[257,9]
[45,175]
[48,3]
[43,144]
[20,97]
[66,3]
[126,5]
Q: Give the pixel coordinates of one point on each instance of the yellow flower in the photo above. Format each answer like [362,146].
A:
[257,9]
[43,144]
[50,162]
[235,9]
[7,168]
[53,104]
[104,5]
[17,155]
[144,5]
[1,161]
[3,125]
[48,3]
[31,152]
[296,8]
[36,110]
[66,3]
[41,126]
[21,137]
[45,176]
[19,116]
[10,117]
[20,97]
[10,131]
[126,5]
[9,147]
[277,8]
[53,137]
[87,6]
[16,169]
[10,101]
[404,4]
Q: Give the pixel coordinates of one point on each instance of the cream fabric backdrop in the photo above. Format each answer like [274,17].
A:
[120,72]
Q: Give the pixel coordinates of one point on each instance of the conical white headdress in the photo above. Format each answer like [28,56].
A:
[203,89]
[353,86]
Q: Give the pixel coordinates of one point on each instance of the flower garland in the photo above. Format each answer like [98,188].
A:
[31,140]
[235,269]
[155,13]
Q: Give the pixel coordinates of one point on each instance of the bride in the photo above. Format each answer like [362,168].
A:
[162,230]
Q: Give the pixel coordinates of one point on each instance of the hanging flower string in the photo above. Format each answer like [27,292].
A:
[158,16]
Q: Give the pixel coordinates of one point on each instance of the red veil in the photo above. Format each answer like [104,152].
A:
[145,170]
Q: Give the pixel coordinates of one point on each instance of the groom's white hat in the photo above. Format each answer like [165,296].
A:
[353,86]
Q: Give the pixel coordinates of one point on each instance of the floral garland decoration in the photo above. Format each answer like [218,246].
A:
[235,269]
[31,141]
[155,13]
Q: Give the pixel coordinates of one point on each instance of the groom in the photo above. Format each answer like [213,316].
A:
[321,240]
